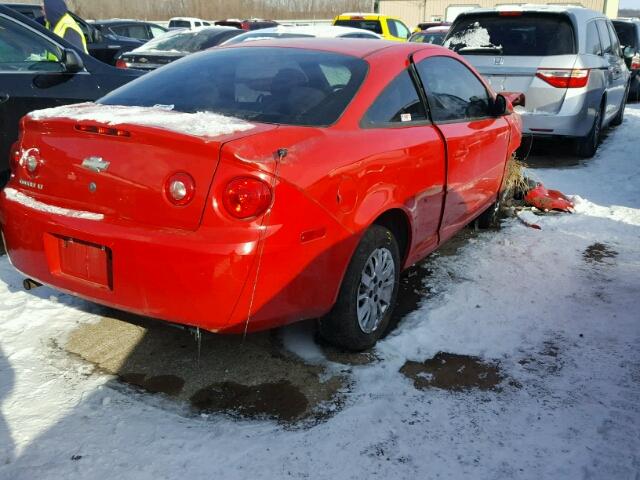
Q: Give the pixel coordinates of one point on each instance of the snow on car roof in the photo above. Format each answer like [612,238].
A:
[199,124]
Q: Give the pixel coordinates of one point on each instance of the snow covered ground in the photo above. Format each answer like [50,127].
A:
[557,309]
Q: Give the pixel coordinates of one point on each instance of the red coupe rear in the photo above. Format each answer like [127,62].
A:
[249,187]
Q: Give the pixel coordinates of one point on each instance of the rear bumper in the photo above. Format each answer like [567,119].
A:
[205,278]
[574,119]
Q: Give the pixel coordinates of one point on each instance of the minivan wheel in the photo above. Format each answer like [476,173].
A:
[368,293]
[587,147]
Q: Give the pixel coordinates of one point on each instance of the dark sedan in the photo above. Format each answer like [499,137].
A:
[175,45]
[39,70]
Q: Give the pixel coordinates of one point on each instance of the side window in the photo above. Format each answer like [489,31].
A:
[155,31]
[399,104]
[392,27]
[24,50]
[138,31]
[403,31]
[454,93]
[198,24]
[604,37]
[615,43]
[120,30]
[593,46]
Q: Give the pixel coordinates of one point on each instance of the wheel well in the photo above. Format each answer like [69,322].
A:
[396,221]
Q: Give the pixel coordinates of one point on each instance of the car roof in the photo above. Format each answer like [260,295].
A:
[118,21]
[438,29]
[355,47]
[188,19]
[322,31]
[578,12]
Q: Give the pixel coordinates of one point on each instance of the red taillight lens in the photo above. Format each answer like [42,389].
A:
[635,62]
[247,197]
[121,64]
[180,188]
[564,78]
[510,14]
[244,25]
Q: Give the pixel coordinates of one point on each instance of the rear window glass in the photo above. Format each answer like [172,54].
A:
[433,38]
[271,85]
[186,41]
[626,33]
[179,24]
[521,35]
[371,25]
[247,37]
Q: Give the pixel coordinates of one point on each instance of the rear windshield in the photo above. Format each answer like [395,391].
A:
[371,25]
[188,41]
[179,24]
[522,35]
[626,34]
[434,38]
[271,85]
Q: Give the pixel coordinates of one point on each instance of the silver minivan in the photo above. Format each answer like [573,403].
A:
[566,60]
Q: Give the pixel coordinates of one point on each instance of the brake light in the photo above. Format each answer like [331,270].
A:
[180,188]
[247,197]
[510,14]
[121,64]
[564,77]
[635,62]
[100,130]
[244,25]
[356,17]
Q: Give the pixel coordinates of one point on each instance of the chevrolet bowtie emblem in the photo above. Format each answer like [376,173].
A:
[95,164]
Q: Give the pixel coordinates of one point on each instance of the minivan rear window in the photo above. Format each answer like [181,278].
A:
[521,34]
[371,25]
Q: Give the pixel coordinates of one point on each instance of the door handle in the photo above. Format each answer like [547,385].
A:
[4,97]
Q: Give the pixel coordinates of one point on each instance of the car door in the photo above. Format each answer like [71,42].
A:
[413,154]
[621,78]
[614,72]
[477,142]
[31,79]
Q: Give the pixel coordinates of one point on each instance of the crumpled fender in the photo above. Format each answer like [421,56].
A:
[544,199]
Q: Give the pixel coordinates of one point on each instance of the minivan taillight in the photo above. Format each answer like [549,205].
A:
[564,77]
[635,62]
[247,197]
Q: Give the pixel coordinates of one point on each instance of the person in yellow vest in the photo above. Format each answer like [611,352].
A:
[58,20]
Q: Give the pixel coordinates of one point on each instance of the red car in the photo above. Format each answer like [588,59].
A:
[247,187]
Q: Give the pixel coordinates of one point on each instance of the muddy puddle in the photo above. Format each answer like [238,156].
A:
[599,253]
[450,371]
[254,377]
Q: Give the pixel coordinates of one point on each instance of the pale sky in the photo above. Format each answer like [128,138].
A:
[630,4]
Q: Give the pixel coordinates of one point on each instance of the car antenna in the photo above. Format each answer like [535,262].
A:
[281,153]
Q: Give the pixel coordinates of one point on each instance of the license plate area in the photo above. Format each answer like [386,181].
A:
[88,262]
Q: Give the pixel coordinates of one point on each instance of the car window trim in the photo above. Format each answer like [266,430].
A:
[464,120]
[413,123]
[44,37]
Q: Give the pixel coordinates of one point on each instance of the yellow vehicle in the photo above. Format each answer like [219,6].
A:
[388,27]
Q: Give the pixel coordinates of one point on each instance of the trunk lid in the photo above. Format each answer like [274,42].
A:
[518,74]
[125,177]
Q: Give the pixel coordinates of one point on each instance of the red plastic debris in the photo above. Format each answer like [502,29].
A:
[546,200]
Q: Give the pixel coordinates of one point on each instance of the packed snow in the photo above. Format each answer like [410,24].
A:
[476,37]
[199,124]
[15,196]
[556,308]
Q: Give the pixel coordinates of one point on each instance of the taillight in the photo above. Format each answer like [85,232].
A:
[635,62]
[564,77]
[180,188]
[247,197]
[120,63]
[510,14]
[244,26]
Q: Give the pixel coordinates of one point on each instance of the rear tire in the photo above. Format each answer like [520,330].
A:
[586,147]
[368,293]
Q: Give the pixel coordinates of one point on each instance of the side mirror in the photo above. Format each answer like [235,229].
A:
[499,106]
[515,98]
[72,61]
[628,52]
